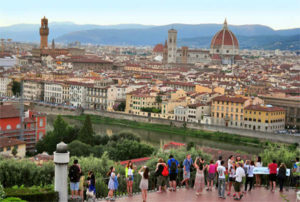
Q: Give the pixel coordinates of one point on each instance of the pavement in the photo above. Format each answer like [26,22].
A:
[260,194]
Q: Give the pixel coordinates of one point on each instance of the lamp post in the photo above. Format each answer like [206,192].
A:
[61,160]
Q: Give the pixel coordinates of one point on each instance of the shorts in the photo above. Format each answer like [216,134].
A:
[211,176]
[237,186]
[74,186]
[272,177]
[161,180]
[129,178]
[173,176]
[231,179]
[187,175]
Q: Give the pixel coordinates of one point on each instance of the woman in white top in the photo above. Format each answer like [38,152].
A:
[258,163]
[249,167]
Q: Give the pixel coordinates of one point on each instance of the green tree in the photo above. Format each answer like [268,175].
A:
[16,88]
[14,151]
[86,133]
[190,145]
[158,99]
[121,106]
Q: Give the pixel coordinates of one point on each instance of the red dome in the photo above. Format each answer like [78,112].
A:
[159,48]
[224,37]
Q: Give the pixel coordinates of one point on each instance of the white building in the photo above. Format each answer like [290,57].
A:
[53,92]
[33,90]
[77,93]
[180,113]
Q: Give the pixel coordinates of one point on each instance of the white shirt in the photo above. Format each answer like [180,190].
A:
[221,171]
[229,164]
[250,171]
[239,174]
[258,164]
[129,171]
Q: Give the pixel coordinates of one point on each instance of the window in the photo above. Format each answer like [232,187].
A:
[18,126]
[8,127]
[40,135]
[8,148]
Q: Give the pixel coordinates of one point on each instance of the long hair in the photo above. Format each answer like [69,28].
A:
[146,173]
[110,171]
[200,164]
[129,164]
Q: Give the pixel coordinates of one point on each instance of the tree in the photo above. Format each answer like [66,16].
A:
[14,151]
[158,99]
[190,145]
[121,106]
[86,133]
[16,88]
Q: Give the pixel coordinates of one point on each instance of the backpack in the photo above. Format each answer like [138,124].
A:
[165,171]
[173,167]
[73,173]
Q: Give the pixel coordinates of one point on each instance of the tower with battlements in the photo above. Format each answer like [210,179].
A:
[44,32]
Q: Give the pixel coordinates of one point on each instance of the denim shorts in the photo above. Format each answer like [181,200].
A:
[74,186]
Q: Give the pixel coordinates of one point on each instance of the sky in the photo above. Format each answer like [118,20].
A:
[278,14]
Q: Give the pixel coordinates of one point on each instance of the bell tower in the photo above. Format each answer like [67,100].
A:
[172,45]
[44,32]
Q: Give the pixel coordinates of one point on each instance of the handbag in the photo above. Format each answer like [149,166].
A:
[89,193]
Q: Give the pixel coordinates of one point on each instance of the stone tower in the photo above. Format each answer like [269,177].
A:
[165,53]
[44,32]
[172,45]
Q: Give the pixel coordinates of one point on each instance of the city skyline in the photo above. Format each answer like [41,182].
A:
[267,13]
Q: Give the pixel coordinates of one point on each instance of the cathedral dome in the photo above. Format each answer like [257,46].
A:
[159,48]
[224,39]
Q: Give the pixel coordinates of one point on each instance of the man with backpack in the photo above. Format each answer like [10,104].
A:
[74,175]
[173,171]
[162,175]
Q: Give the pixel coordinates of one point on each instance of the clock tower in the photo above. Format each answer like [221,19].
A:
[44,32]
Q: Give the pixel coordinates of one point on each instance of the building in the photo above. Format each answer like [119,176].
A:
[265,118]
[229,110]
[4,82]
[290,104]
[33,89]
[44,32]
[77,92]
[34,125]
[196,112]
[53,92]
[7,145]
[172,45]
[89,63]
[180,113]
[224,47]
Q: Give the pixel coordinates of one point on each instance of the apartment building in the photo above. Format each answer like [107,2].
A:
[33,89]
[53,92]
[4,82]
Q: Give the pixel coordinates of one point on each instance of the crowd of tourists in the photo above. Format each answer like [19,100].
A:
[237,174]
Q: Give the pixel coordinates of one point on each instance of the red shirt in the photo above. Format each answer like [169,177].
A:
[273,168]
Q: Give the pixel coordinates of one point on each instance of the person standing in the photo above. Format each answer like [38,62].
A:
[187,163]
[296,173]
[173,172]
[218,163]
[249,175]
[281,176]
[144,172]
[272,174]
[74,175]
[161,179]
[211,175]
[81,185]
[129,170]
[231,177]
[199,180]
[240,173]
[91,191]
[111,183]
[221,180]
[258,164]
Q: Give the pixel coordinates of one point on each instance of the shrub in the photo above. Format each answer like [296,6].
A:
[12,199]
[2,193]
[34,193]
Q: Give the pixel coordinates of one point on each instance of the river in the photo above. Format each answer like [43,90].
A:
[158,139]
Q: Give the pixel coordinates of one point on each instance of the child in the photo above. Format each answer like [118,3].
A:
[113,181]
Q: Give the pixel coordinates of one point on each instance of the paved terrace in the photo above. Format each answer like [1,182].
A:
[183,195]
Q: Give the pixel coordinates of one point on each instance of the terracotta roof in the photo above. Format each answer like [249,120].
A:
[264,108]
[8,111]
[159,48]
[224,37]
[230,99]
[5,142]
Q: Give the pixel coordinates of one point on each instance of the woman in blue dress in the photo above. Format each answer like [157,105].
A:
[112,184]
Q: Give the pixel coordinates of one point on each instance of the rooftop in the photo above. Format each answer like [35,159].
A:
[6,142]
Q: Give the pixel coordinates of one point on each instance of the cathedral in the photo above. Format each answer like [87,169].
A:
[224,49]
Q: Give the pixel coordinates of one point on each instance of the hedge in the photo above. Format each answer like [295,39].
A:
[34,194]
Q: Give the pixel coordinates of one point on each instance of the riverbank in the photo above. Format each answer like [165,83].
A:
[171,129]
